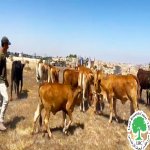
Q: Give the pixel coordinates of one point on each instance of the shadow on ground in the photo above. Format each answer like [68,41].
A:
[13,123]
[120,120]
[24,94]
[71,129]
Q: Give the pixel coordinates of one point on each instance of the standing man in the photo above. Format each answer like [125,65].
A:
[3,80]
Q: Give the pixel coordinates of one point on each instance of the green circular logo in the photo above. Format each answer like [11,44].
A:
[138,130]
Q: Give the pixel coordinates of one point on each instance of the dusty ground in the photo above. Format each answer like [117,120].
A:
[88,132]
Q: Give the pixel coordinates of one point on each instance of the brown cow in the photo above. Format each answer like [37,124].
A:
[123,87]
[70,76]
[41,72]
[98,99]
[46,73]
[144,79]
[55,97]
[85,80]
[53,74]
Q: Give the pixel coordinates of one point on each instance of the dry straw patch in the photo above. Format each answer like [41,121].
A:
[88,131]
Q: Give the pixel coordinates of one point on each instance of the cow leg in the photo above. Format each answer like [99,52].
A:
[69,112]
[95,102]
[70,121]
[21,85]
[89,96]
[115,113]
[101,103]
[11,89]
[17,88]
[64,119]
[46,122]
[36,116]
[147,97]
[83,101]
[140,93]
[82,104]
[49,76]
[111,109]
[82,107]
[81,84]
[64,122]
[133,107]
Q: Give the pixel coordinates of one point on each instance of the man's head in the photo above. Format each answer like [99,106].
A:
[5,43]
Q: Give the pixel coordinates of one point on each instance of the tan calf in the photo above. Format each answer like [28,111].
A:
[70,76]
[56,97]
[123,87]
[53,74]
[85,80]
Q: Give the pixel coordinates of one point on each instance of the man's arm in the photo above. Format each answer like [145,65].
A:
[3,71]
[3,67]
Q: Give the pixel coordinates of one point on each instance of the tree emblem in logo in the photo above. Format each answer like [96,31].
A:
[138,125]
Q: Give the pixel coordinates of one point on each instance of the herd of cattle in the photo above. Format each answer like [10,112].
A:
[81,86]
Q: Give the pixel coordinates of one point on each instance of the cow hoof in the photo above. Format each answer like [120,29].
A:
[49,136]
[64,129]
[32,133]
[65,132]
[109,122]
[81,110]
[100,113]
[117,120]
[11,99]
[43,134]
[96,113]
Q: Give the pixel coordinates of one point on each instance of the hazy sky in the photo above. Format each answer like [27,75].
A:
[110,30]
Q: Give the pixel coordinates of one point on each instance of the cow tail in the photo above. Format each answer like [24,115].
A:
[138,89]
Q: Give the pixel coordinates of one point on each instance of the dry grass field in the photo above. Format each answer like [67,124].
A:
[88,131]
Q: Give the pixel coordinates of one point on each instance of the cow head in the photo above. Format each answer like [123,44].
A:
[98,75]
[90,77]
[99,92]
